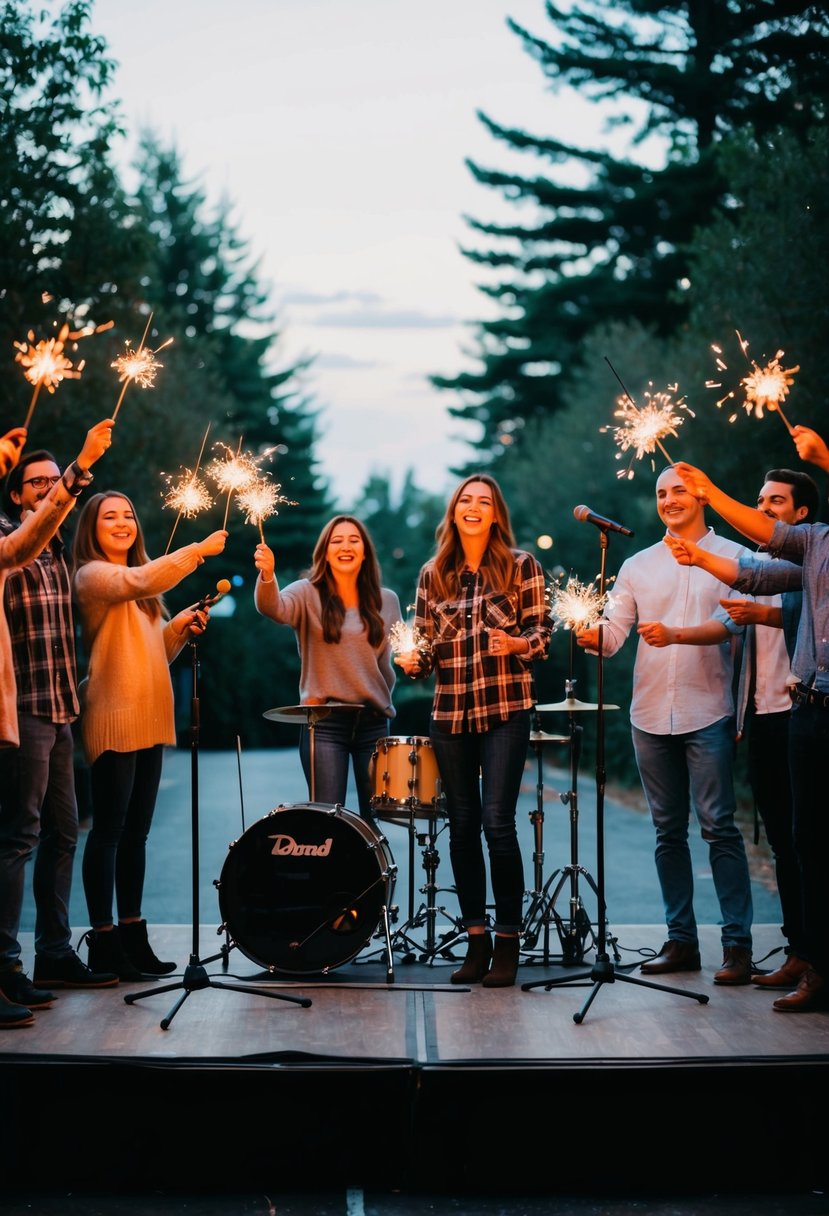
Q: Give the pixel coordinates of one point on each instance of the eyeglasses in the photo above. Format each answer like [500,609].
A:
[42,483]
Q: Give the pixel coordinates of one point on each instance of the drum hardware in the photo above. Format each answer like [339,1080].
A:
[309,715]
[427,913]
[603,970]
[195,973]
[303,890]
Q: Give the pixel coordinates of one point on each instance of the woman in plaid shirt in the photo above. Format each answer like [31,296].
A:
[482,612]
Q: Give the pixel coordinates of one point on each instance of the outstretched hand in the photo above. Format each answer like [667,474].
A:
[214,543]
[98,440]
[810,446]
[11,448]
[264,561]
[684,551]
[697,482]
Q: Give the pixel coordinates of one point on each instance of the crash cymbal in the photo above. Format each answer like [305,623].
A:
[541,736]
[572,705]
[293,713]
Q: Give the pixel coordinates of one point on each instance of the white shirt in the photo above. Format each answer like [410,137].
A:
[772,672]
[681,688]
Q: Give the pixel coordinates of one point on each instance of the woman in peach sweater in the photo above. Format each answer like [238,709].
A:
[127,717]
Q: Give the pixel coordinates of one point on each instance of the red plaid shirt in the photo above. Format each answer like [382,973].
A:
[474,688]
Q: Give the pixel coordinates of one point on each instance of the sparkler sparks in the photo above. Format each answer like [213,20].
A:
[576,605]
[259,499]
[45,363]
[642,428]
[138,366]
[188,496]
[763,387]
[404,637]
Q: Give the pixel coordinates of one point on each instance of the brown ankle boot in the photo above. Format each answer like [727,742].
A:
[476,964]
[504,963]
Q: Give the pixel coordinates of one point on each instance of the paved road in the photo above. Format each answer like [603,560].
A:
[236,792]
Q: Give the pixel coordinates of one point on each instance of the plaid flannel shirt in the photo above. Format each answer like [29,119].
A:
[474,688]
[38,606]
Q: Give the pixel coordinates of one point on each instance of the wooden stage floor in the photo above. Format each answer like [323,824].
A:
[403,1082]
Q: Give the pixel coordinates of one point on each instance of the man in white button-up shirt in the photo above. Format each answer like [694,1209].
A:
[681,715]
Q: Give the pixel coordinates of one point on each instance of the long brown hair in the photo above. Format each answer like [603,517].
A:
[498,562]
[368,585]
[85,547]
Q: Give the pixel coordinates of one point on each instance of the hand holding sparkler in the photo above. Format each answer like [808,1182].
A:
[11,448]
[810,446]
[408,645]
[265,563]
[695,481]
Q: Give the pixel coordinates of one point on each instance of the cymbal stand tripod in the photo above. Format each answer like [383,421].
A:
[195,974]
[603,970]
[428,912]
[575,934]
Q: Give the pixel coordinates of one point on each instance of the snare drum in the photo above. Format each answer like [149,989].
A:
[302,891]
[406,780]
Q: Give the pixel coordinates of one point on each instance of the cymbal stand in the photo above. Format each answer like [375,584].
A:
[577,932]
[195,974]
[603,970]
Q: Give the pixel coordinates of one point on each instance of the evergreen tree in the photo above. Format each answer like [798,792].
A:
[683,75]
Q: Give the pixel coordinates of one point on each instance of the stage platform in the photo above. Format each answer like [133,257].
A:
[404,1082]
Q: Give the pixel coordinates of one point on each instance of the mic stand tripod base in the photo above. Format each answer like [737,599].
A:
[604,972]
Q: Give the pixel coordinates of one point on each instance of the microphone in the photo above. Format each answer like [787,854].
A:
[607,525]
[222,588]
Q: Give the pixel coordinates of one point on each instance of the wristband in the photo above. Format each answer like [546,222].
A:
[81,478]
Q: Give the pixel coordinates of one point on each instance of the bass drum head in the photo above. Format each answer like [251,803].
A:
[302,891]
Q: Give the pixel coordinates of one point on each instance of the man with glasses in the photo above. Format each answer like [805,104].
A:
[38,804]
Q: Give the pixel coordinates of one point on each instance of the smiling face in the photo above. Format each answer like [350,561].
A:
[346,552]
[776,500]
[116,528]
[38,478]
[679,511]
[474,511]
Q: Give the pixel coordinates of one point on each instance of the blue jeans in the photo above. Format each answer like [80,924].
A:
[124,790]
[38,811]
[481,775]
[340,738]
[678,772]
[808,746]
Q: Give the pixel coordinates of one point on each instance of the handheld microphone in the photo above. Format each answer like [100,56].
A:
[607,525]
[206,601]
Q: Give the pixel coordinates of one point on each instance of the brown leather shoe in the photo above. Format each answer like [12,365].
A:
[788,976]
[811,993]
[736,966]
[674,956]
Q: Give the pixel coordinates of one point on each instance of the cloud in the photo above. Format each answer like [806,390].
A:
[320,299]
[399,319]
[339,362]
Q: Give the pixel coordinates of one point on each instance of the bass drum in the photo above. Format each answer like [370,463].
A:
[302,891]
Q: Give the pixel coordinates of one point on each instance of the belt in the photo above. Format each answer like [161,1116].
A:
[801,695]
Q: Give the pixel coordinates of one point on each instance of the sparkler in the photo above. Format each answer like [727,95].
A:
[259,500]
[642,429]
[404,637]
[45,364]
[575,605]
[138,366]
[189,495]
[232,473]
[764,387]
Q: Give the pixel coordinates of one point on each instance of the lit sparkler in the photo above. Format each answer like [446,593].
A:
[576,605]
[405,637]
[138,366]
[764,387]
[232,472]
[259,499]
[45,363]
[642,428]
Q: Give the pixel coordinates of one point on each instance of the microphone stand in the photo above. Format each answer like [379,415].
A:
[603,970]
[195,975]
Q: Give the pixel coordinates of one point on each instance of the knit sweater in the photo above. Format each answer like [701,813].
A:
[128,694]
[18,549]
[351,670]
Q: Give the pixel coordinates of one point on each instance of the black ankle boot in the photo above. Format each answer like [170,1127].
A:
[106,953]
[139,951]
[504,963]
[475,965]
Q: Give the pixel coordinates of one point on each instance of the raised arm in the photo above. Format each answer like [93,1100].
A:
[724,569]
[748,520]
[811,447]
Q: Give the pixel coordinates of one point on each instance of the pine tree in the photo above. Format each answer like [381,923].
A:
[614,249]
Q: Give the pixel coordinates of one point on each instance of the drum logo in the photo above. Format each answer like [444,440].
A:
[285,846]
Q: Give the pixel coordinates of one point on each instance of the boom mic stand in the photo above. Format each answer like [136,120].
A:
[195,975]
[603,970]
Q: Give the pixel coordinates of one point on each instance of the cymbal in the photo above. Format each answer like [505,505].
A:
[292,713]
[540,736]
[572,705]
